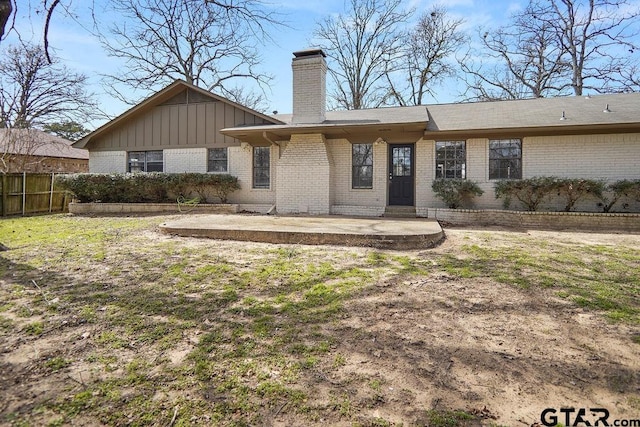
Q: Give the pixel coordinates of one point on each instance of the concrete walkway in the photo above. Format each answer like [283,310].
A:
[385,233]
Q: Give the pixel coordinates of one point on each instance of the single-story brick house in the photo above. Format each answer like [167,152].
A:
[34,151]
[361,162]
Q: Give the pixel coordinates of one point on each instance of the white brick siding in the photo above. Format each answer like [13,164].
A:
[344,194]
[609,157]
[309,89]
[425,172]
[314,176]
[185,160]
[107,161]
[241,166]
[303,180]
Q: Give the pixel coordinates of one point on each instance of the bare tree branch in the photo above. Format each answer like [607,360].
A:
[208,44]
[596,37]
[34,92]
[359,45]
[424,61]
[46,28]
[256,14]
[555,47]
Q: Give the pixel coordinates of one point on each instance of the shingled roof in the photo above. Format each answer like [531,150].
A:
[560,115]
[37,143]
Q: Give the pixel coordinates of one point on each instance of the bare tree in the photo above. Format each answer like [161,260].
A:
[34,91]
[424,61]
[596,37]
[556,47]
[204,43]
[525,60]
[360,45]
[254,12]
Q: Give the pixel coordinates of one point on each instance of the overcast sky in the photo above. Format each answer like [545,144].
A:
[82,53]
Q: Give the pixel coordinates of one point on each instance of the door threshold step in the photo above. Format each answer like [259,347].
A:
[400,212]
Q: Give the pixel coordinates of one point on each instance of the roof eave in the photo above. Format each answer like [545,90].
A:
[559,130]
[283,132]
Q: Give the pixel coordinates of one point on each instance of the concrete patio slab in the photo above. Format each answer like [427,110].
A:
[383,233]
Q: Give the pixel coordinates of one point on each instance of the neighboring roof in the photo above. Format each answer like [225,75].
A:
[158,98]
[527,114]
[37,143]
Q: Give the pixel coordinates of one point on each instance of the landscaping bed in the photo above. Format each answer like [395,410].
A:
[588,221]
[150,208]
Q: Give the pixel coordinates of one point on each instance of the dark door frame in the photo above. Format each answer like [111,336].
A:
[404,184]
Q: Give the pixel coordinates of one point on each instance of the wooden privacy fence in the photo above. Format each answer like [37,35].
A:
[24,193]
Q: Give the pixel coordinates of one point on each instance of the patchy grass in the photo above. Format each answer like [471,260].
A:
[133,327]
[597,277]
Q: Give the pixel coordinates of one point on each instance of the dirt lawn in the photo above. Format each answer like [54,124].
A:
[105,321]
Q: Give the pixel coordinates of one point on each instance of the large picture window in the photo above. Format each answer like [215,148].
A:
[505,159]
[217,160]
[362,165]
[145,161]
[261,167]
[451,159]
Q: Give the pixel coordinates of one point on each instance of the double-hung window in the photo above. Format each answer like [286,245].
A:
[362,165]
[451,159]
[261,167]
[145,161]
[505,159]
[217,160]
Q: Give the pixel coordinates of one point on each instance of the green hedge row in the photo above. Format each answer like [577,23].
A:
[533,192]
[148,187]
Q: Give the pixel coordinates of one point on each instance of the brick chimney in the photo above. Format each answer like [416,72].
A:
[309,86]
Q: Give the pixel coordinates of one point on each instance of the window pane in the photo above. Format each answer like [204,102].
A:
[136,161]
[401,161]
[217,160]
[362,165]
[154,167]
[261,167]
[451,159]
[154,156]
[145,161]
[505,159]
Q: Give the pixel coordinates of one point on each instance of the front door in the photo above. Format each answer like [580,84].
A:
[401,171]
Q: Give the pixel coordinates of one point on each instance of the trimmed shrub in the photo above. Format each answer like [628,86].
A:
[224,185]
[456,192]
[153,187]
[207,186]
[575,189]
[624,188]
[530,192]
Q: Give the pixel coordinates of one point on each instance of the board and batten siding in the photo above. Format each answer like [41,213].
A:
[177,126]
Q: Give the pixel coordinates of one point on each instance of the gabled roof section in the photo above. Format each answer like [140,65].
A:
[160,97]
